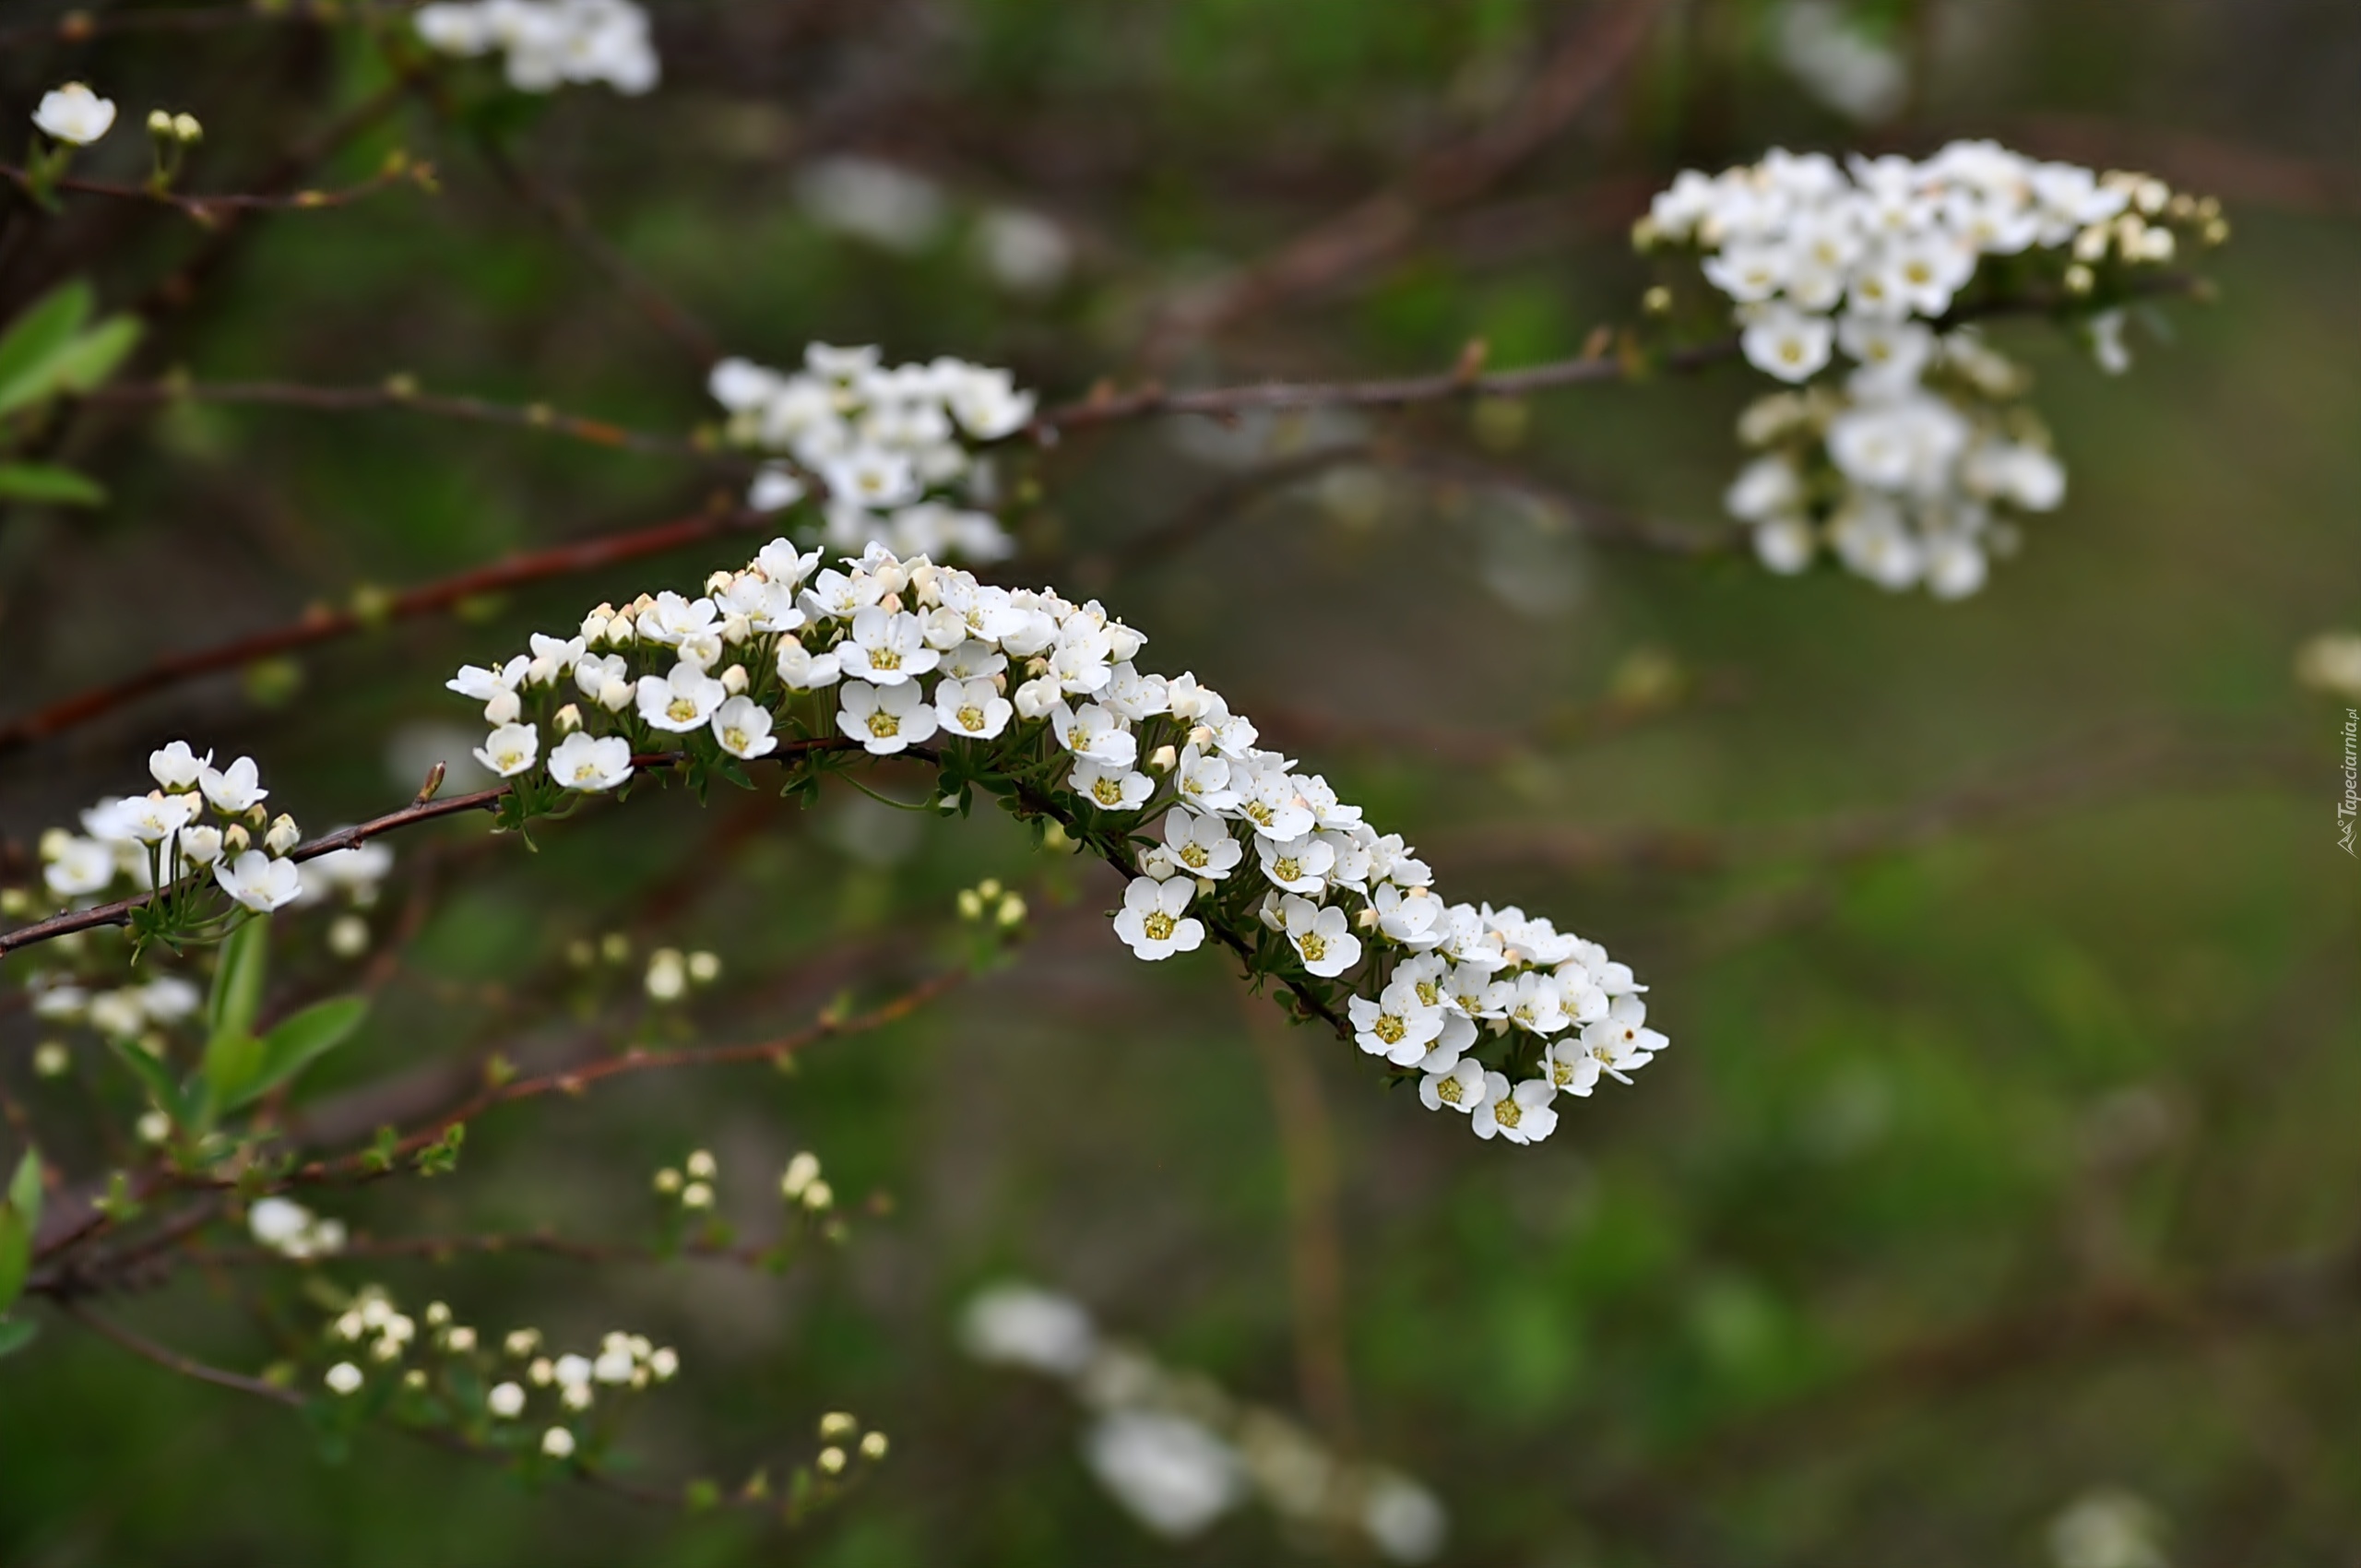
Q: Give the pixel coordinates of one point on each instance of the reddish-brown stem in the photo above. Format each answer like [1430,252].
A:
[326,625]
[340,399]
[207,209]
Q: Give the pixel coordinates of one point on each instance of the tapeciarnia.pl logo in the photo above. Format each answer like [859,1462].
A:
[2347,809]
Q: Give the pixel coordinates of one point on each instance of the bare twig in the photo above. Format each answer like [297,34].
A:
[397,395]
[326,625]
[209,208]
[1315,1251]
[1588,59]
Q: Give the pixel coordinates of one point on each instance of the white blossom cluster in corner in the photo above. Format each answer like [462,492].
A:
[1177,1453]
[891,445]
[197,818]
[202,820]
[1910,465]
[1039,700]
[546,43]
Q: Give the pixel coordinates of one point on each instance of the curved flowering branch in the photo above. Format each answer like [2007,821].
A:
[1037,702]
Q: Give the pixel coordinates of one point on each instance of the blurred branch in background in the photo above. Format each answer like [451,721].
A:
[1315,1246]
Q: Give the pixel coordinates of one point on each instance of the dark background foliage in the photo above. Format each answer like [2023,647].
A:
[2004,1150]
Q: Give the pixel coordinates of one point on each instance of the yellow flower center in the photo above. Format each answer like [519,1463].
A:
[1451,1090]
[734,739]
[1158,926]
[1507,1112]
[884,659]
[1107,791]
[1259,811]
[1389,1029]
[882,724]
[1562,1074]
[1194,856]
[680,710]
[971,718]
[1429,992]
[1312,945]
[1289,868]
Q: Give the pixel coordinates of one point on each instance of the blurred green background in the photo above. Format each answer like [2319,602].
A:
[2005,1151]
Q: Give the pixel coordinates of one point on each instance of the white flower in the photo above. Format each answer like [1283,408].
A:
[1200,844]
[578,762]
[1111,788]
[175,767]
[1522,1115]
[506,1400]
[743,728]
[152,818]
[1020,1326]
[75,115]
[682,701]
[1093,734]
[558,1442]
[76,865]
[1174,1476]
[1323,937]
[1301,864]
[480,685]
[258,882]
[1785,544]
[510,750]
[343,1378]
[971,709]
[1151,920]
[886,648]
[884,720]
[1399,1026]
[801,670]
[1458,1086]
[233,788]
[1786,342]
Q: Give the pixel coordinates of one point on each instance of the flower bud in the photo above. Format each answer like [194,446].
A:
[701,1165]
[802,1171]
[348,936]
[836,1424]
[874,1445]
[704,967]
[200,845]
[234,839]
[615,695]
[831,1461]
[618,632]
[503,708]
[160,124]
[186,129]
[697,1195]
[733,680]
[594,629]
[1163,759]
[717,581]
[283,835]
[569,719]
[2080,280]
[818,1195]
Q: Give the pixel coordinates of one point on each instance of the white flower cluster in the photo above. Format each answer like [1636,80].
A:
[126,1013]
[1178,1453]
[294,1231]
[1043,696]
[1909,467]
[2331,661]
[199,818]
[506,1381]
[890,443]
[549,42]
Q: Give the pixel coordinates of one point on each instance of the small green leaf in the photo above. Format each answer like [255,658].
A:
[36,338]
[47,481]
[295,1044]
[16,1333]
[156,1078]
[88,360]
[24,1187]
[19,1218]
[237,982]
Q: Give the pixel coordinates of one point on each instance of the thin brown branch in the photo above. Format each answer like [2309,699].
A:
[399,395]
[327,625]
[81,26]
[664,313]
[422,810]
[208,208]
[173,1361]
[578,1078]
[1589,57]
